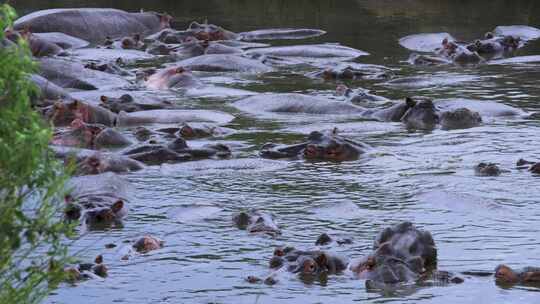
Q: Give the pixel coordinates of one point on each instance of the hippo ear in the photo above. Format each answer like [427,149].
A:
[322,260]
[335,131]
[116,207]
[194,25]
[410,102]
[445,41]
[104,98]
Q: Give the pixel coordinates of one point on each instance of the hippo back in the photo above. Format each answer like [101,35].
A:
[92,24]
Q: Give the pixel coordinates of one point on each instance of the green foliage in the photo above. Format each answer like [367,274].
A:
[32,254]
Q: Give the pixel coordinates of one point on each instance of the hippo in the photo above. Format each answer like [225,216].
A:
[401,253]
[299,103]
[211,32]
[62,40]
[68,74]
[63,113]
[280,34]
[487,169]
[319,146]
[172,117]
[352,71]
[126,103]
[39,47]
[424,115]
[82,271]
[99,201]
[147,243]
[194,131]
[173,77]
[48,90]
[224,63]
[493,45]
[255,221]
[175,151]
[90,162]
[308,264]
[334,51]
[110,67]
[325,239]
[93,24]
[504,275]
[458,53]
[534,167]
[91,136]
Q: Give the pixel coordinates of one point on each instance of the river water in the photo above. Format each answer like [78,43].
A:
[423,177]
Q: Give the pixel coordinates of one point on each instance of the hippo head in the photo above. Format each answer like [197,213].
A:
[105,216]
[461,118]
[147,243]
[63,113]
[383,269]
[506,275]
[255,221]
[172,77]
[129,43]
[310,265]
[189,131]
[91,165]
[164,20]
[210,32]
[487,169]
[511,42]
[331,147]
[422,115]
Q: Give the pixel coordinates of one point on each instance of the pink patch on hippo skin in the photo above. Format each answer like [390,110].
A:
[165,21]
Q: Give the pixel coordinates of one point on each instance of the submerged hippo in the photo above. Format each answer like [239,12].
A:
[504,275]
[93,24]
[458,53]
[424,115]
[318,146]
[401,253]
[173,77]
[89,162]
[194,130]
[487,169]
[310,265]
[90,136]
[280,33]
[76,273]
[147,243]
[224,63]
[493,45]
[126,103]
[533,167]
[255,221]
[98,200]
[176,151]
[211,32]
[63,113]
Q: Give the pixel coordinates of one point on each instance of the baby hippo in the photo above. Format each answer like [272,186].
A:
[255,221]
[526,276]
[319,146]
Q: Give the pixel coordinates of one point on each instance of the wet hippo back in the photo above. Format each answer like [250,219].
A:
[91,24]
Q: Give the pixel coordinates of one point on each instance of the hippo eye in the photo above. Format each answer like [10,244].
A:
[179,70]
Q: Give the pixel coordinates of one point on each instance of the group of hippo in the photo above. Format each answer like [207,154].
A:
[110,120]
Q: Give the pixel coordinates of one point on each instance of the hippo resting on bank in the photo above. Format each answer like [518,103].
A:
[176,151]
[93,24]
[90,136]
[89,162]
[401,254]
[98,200]
[318,146]
[255,221]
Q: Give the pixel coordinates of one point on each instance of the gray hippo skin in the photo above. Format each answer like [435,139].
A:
[91,136]
[126,103]
[280,33]
[424,115]
[63,113]
[48,90]
[224,63]
[211,32]
[90,162]
[318,146]
[255,221]
[173,77]
[176,151]
[93,24]
[100,201]
[401,254]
